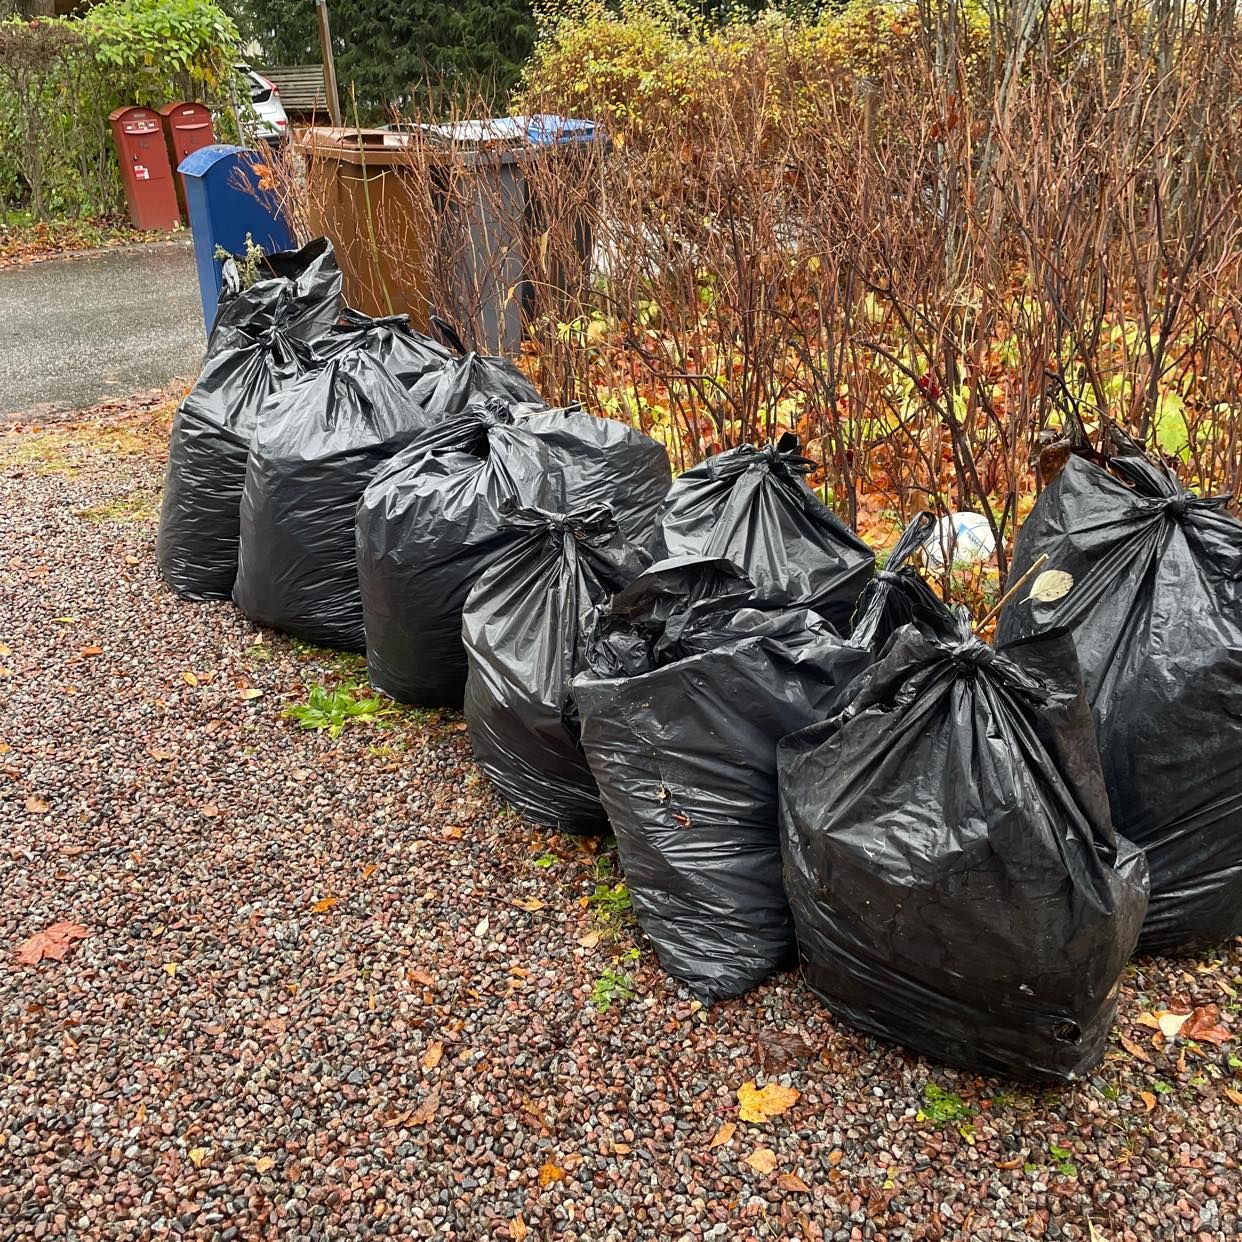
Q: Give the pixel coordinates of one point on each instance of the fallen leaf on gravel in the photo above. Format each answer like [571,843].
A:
[421,976]
[52,942]
[324,904]
[590,940]
[5,649]
[1149,1101]
[197,1156]
[791,1181]
[1015,1163]
[551,1173]
[251,692]
[779,1050]
[1136,1050]
[211,810]
[1235,1096]
[6,672]
[36,806]
[1203,1025]
[761,1105]
[66,620]
[90,651]
[1148,1019]
[427,1109]
[621,1149]
[368,871]
[189,678]
[431,1058]
[453,833]
[276,1025]
[132,560]
[161,756]
[723,1135]
[762,1160]
[517,1229]
[530,904]
[263,1164]
[1171,1023]
[481,929]
[170,969]
[835,1156]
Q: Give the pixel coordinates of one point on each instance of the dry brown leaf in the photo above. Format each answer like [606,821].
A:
[197,1156]
[1136,1050]
[1235,1096]
[517,1229]
[590,940]
[324,904]
[835,1156]
[1015,1163]
[161,756]
[427,1109]
[36,806]
[90,651]
[762,1160]
[1149,1101]
[791,1181]
[263,1164]
[1149,1019]
[530,904]
[52,942]
[551,1173]
[190,679]
[1203,1026]
[368,871]
[723,1135]
[762,1104]
[421,976]
[431,1058]
[211,811]
[250,692]
[621,1149]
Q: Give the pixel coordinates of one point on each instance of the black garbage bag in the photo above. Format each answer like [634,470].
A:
[428,523]
[298,291]
[471,378]
[899,595]
[753,507]
[317,445]
[953,872]
[610,463]
[688,692]
[406,354]
[524,627]
[1154,603]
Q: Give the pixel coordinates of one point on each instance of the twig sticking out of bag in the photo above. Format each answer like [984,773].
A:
[1013,590]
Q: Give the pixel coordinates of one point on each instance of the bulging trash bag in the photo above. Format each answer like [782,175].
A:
[298,291]
[608,462]
[317,445]
[1148,579]
[406,354]
[471,378]
[753,507]
[429,522]
[953,872]
[687,694]
[524,629]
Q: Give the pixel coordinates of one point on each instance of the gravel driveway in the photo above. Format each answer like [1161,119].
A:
[332,989]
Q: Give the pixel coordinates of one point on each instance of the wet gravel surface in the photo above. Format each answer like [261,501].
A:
[310,1005]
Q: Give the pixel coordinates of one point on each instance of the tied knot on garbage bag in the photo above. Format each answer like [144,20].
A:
[592,523]
[1151,593]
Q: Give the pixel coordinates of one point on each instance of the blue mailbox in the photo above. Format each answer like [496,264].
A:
[225,203]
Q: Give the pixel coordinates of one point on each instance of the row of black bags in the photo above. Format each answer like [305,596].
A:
[950,868]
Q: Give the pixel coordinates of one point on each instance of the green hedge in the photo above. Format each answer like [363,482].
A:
[60,77]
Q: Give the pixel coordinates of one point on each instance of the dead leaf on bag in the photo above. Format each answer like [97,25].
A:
[723,1135]
[1051,585]
[51,943]
[431,1058]
[551,1173]
[1136,1050]
[791,1181]
[427,1109]
[530,904]
[760,1105]
[762,1160]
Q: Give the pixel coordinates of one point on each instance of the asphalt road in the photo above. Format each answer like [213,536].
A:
[74,332]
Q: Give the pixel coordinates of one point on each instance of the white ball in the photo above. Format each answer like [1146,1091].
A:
[966,537]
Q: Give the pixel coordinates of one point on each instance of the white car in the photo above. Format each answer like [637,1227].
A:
[267,121]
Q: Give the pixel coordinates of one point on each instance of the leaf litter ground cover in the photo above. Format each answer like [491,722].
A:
[329,986]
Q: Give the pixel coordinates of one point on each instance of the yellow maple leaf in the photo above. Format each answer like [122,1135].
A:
[762,1104]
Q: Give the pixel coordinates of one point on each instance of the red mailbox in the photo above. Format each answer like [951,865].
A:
[145,169]
[187,126]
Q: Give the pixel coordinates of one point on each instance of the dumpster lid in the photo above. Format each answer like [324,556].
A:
[544,129]
[199,163]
